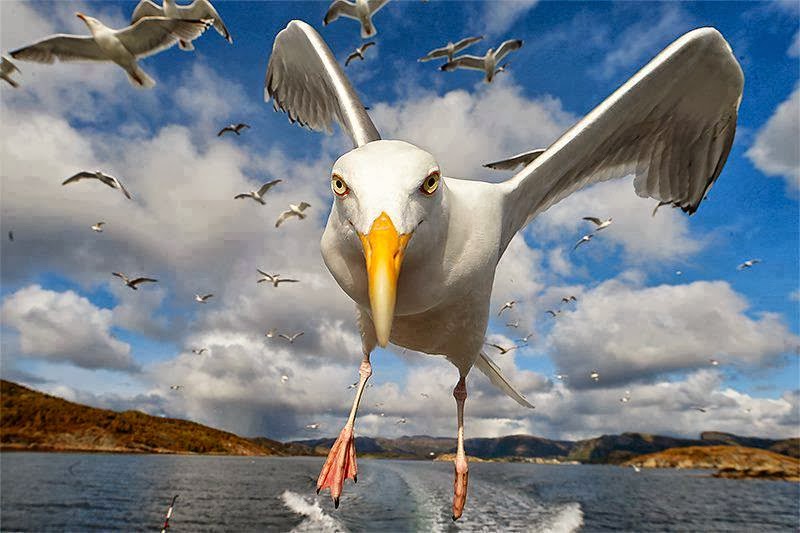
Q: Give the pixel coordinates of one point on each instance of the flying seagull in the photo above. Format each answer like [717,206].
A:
[258,195]
[585,238]
[568,299]
[124,47]
[233,128]
[271,334]
[359,52]
[291,338]
[515,161]
[199,351]
[502,350]
[748,264]
[202,299]
[109,180]
[699,408]
[132,283]
[594,376]
[197,10]
[11,236]
[352,385]
[507,305]
[284,378]
[599,224]
[293,211]
[561,377]
[360,10]
[7,68]
[552,313]
[312,426]
[526,338]
[388,193]
[450,49]
[275,279]
[98,227]
[713,362]
[486,63]
[514,324]
[402,421]
[176,387]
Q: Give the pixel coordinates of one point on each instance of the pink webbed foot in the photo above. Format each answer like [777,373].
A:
[340,465]
[460,487]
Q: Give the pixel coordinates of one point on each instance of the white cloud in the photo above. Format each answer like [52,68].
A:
[776,150]
[64,327]
[794,48]
[499,17]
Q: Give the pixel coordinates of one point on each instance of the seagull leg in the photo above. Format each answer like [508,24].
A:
[341,461]
[461,468]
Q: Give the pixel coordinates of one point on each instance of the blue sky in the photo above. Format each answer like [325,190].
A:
[162,143]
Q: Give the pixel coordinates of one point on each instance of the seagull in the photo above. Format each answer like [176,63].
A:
[146,37]
[352,385]
[132,283]
[176,387]
[294,211]
[748,264]
[360,10]
[626,397]
[568,299]
[291,338]
[402,421]
[503,350]
[424,395]
[514,324]
[678,273]
[197,10]
[486,63]
[359,52]
[11,236]
[199,351]
[561,377]
[275,279]
[595,376]
[98,227]
[501,68]
[393,209]
[271,334]
[713,362]
[552,313]
[585,238]
[636,468]
[258,195]
[450,49]
[507,305]
[515,161]
[202,299]
[234,128]
[7,68]
[312,426]
[599,224]
[109,180]
[526,338]
[698,408]
[284,378]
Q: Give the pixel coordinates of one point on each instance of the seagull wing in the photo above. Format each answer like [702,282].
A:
[303,206]
[282,280]
[146,8]
[223,130]
[137,281]
[267,186]
[283,217]
[364,46]
[242,195]
[120,275]
[671,125]
[300,334]
[468,41]
[376,5]
[337,9]
[433,54]
[151,35]
[207,296]
[515,160]
[79,176]
[494,346]
[6,66]
[467,61]
[308,84]
[203,10]
[351,57]
[62,47]
[595,220]
[506,48]
[121,187]
[262,272]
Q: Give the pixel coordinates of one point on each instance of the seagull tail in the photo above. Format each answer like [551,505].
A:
[492,371]
[140,78]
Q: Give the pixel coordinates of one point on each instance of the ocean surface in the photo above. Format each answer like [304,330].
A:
[85,492]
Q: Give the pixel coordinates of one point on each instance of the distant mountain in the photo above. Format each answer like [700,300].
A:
[31,420]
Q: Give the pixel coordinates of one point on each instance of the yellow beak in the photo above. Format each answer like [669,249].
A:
[383,250]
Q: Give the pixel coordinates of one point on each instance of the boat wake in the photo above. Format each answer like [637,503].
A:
[316,519]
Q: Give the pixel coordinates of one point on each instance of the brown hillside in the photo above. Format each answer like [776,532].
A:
[729,461]
[31,420]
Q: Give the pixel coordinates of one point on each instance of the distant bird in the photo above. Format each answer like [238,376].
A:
[514,324]
[6,69]
[599,224]
[626,397]
[450,49]
[146,37]
[402,421]
[284,378]
[585,238]
[291,338]
[501,68]
[748,264]
[197,10]
[176,387]
[271,334]
[713,362]
[507,305]
[132,283]
[294,211]
[234,128]
[525,339]
[359,52]
[486,63]
[202,299]
[352,385]
[678,273]
[503,350]
[275,279]
[199,351]
[698,408]
[568,299]
[258,195]
[595,376]
[98,228]
[11,236]
[561,377]
[312,426]
[552,313]
[515,161]
[360,10]
[108,179]
[636,468]
[424,395]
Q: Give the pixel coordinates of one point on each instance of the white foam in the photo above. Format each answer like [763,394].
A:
[568,519]
[316,519]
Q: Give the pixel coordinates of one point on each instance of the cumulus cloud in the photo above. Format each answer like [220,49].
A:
[499,17]
[776,150]
[64,327]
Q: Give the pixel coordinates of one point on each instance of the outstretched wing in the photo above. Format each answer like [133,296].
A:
[596,221]
[79,176]
[463,43]
[303,206]
[61,47]
[121,187]
[137,281]
[151,35]
[433,54]
[202,10]
[515,160]
[507,47]
[467,61]
[308,84]
[375,5]
[146,8]
[671,126]
[267,186]
[283,217]
[339,8]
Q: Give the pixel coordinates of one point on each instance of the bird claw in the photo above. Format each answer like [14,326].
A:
[340,465]
[460,488]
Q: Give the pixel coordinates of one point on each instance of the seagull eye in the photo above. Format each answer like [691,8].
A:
[431,183]
[339,186]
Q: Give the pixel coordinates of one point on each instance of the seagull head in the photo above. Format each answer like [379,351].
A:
[91,22]
[389,210]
